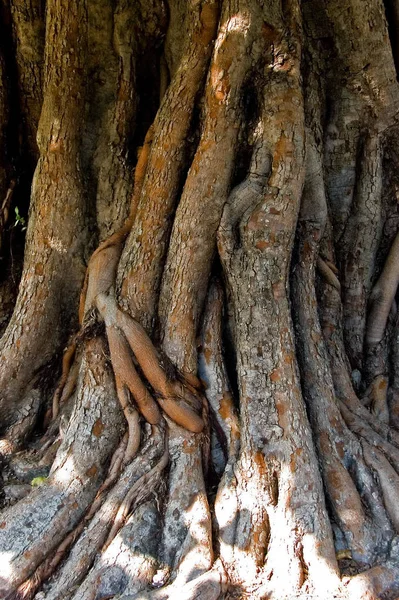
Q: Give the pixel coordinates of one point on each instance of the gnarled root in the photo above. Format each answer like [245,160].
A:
[382,296]
[98,521]
[58,506]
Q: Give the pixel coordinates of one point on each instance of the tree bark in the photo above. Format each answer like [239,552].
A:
[217,180]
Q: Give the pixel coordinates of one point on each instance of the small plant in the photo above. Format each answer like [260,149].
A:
[19,220]
[38,481]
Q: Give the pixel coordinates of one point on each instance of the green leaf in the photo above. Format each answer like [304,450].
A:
[37,481]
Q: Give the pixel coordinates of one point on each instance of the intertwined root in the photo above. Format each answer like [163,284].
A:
[105,517]
[129,345]
[179,399]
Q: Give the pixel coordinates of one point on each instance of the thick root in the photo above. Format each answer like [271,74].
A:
[58,506]
[94,535]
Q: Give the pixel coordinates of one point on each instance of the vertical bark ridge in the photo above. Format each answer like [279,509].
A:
[28,21]
[357,535]
[205,191]
[357,104]
[112,111]
[272,461]
[53,267]
[135,31]
[142,260]
[223,94]
[382,295]
[225,440]
[360,258]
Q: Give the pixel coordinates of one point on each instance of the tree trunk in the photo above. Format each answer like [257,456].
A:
[218,181]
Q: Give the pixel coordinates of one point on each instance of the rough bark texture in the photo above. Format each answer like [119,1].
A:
[217,179]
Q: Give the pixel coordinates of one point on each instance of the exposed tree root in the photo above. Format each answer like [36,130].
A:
[212,370]
[328,273]
[382,296]
[360,243]
[209,586]
[364,535]
[68,379]
[139,490]
[94,535]
[76,475]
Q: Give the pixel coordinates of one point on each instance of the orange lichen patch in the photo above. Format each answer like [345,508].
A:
[262,245]
[260,536]
[188,447]
[209,18]
[289,358]
[220,83]
[336,481]
[281,409]
[260,463]
[282,412]
[282,150]
[275,375]
[92,471]
[98,428]
[39,269]
[226,406]
[274,211]
[294,456]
